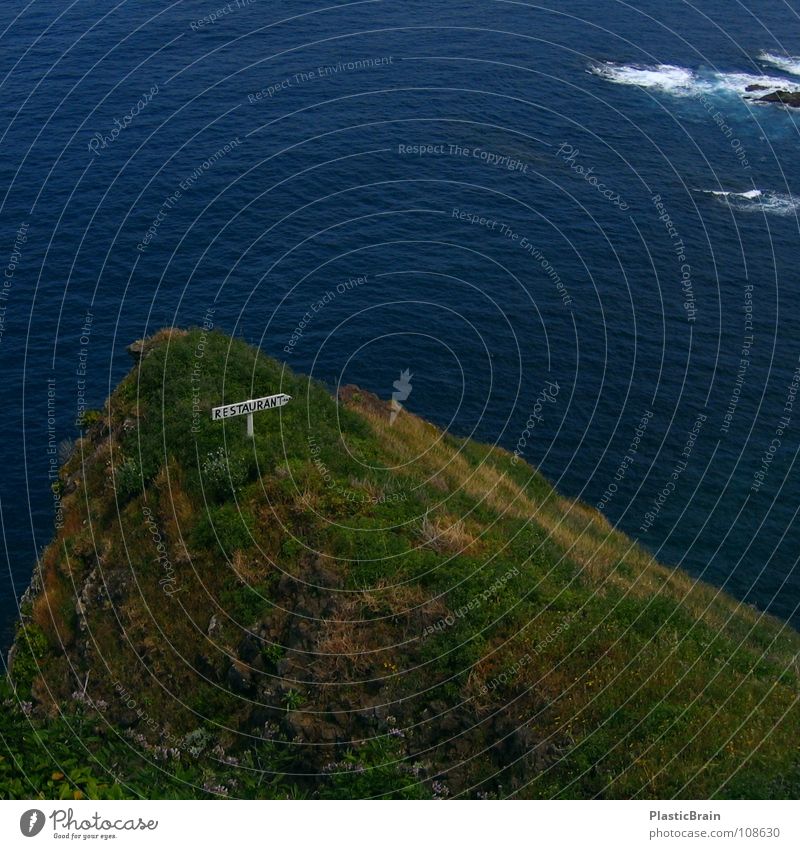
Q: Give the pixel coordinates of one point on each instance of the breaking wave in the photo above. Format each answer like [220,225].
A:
[683,82]
[790,64]
[753,193]
[669,78]
[756,200]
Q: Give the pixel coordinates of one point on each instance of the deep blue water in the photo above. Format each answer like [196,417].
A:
[316,189]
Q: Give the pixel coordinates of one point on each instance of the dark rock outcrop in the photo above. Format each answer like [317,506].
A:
[786,98]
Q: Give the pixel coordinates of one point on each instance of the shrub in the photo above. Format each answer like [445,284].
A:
[32,646]
[227,527]
[127,479]
[92,417]
[222,473]
[375,769]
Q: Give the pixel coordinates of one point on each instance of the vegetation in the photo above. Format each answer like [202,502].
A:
[350,607]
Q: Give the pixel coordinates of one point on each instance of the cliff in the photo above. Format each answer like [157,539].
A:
[356,604]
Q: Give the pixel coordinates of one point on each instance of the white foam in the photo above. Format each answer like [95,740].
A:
[737,83]
[668,78]
[790,64]
[756,200]
[683,82]
[753,193]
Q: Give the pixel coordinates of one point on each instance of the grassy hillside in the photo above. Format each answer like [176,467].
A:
[347,606]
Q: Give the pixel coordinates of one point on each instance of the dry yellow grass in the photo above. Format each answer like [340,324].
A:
[445,534]
[584,534]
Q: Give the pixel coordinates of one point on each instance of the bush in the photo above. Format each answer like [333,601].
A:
[32,646]
[222,473]
[127,479]
[375,769]
[226,527]
[92,417]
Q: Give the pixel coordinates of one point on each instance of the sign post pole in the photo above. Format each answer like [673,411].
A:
[255,405]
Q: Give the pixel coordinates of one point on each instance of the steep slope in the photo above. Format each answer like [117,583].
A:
[353,604]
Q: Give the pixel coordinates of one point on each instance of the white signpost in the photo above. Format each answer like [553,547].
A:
[255,405]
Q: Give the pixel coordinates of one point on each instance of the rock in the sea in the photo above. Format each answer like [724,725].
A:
[756,87]
[787,98]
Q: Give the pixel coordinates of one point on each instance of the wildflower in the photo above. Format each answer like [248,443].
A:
[440,791]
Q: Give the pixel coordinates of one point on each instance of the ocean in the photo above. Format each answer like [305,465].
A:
[566,228]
